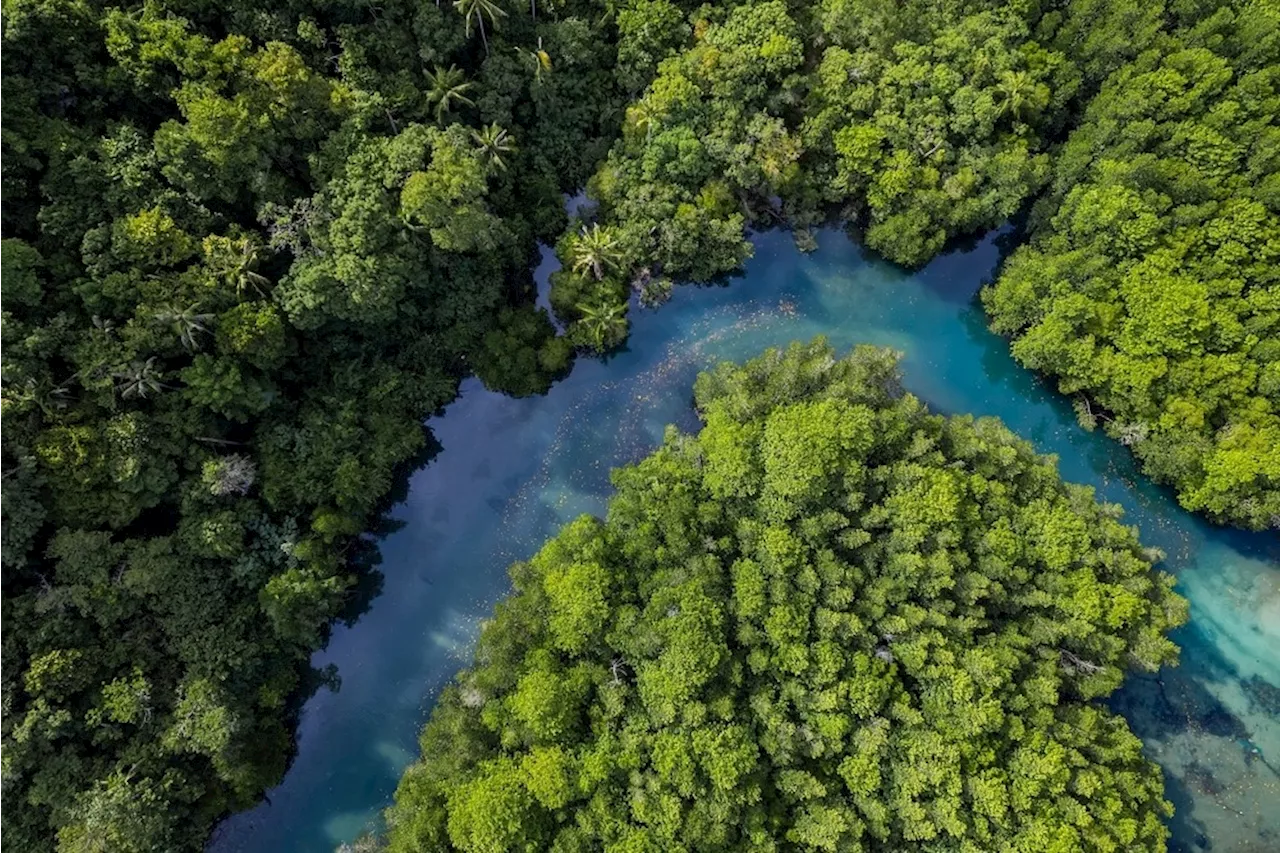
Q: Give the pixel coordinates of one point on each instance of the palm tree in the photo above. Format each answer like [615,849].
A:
[139,379]
[1015,88]
[239,266]
[186,323]
[43,393]
[643,114]
[478,10]
[596,250]
[494,141]
[448,86]
[604,324]
[540,59]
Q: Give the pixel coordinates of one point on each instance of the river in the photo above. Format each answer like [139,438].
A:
[512,470]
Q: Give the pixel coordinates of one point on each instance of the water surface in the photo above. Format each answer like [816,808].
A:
[512,471]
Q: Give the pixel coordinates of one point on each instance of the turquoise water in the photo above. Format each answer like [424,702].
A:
[512,471]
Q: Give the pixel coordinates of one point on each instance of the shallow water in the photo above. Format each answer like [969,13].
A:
[513,470]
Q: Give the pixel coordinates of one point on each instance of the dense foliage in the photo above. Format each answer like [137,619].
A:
[246,251]
[1151,288]
[829,621]
[913,123]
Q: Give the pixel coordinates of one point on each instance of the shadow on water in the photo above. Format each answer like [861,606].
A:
[362,559]
[1263,696]
[364,555]
[1189,834]
[1175,700]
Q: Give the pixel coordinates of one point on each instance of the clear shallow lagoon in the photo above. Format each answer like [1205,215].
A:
[512,471]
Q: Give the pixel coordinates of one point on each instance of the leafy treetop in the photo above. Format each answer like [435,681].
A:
[829,621]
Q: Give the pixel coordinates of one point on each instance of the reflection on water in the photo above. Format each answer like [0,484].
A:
[513,470]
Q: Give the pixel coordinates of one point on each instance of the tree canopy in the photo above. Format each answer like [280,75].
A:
[831,620]
[1151,286]
[913,124]
[246,252]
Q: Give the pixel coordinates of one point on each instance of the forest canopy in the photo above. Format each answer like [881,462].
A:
[910,124]
[247,251]
[829,621]
[1151,286]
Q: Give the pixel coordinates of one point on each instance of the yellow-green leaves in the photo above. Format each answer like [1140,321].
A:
[447,198]
[151,238]
[802,447]
[491,814]
[829,621]
[731,467]
[1149,287]
[577,585]
[548,699]
[549,775]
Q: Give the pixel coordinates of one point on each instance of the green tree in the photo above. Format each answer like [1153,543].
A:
[595,250]
[120,814]
[475,12]
[239,271]
[830,620]
[1016,89]
[603,324]
[538,59]
[188,324]
[494,143]
[237,261]
[1131,295]
[448,87]
[139,379]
